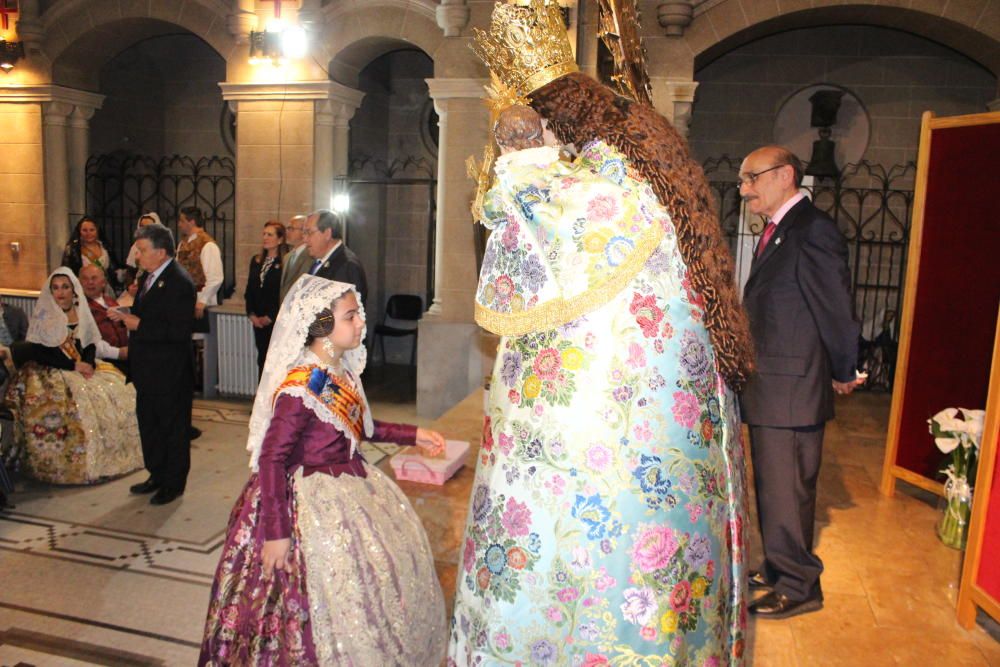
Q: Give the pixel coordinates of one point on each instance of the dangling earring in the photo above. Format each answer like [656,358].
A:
[329,348]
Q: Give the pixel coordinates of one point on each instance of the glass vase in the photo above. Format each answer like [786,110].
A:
[953,528]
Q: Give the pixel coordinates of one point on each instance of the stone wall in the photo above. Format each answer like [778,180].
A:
[162,98]
[22,197]
[387,129]
[897,76]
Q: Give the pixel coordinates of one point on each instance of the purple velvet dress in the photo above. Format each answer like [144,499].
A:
[350,590]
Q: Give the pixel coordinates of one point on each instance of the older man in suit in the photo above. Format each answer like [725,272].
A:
[802,319]
[161,364]
[332,259]
[297,260]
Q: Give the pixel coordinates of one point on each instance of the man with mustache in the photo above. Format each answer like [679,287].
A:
[802,321]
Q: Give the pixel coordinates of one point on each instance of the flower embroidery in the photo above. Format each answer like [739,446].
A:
[602,208]
[639,605]
[517,518]
[547,364]
[510,372]
[647,314]
[654,547]
[686,409]
[598,457]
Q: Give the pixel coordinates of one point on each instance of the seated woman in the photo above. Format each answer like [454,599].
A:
[74,420]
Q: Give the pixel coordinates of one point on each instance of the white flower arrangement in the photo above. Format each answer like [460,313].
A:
[957,433]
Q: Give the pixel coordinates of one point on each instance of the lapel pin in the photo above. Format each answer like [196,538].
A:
[159,284]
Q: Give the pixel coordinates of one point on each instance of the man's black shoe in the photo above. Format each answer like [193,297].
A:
[757,580]
[194,432]
[148,486]
[778,605]
[164,496]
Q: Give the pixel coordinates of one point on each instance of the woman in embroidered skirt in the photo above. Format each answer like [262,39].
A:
[74,416]
[325,562]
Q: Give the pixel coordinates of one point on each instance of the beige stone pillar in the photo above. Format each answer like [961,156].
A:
[333,136]
[37,142]
[276,151]
[674,99]
[450,363]
[54,126]
[78,140]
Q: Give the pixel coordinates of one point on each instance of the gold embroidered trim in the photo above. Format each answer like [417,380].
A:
[559,311]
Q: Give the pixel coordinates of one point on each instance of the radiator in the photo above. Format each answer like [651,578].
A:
[25,303]
[237,355]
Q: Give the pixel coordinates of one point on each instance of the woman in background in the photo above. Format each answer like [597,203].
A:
[87,245]
[263,287]
[133,252]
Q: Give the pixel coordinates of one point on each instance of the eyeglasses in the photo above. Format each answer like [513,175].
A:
[750,179]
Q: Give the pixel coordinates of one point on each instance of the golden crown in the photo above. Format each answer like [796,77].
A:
[526,46]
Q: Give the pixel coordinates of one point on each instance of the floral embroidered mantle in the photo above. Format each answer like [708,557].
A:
[540,272]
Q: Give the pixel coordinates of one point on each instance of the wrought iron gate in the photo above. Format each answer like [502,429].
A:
[122,187]
[872,206]
[372,183]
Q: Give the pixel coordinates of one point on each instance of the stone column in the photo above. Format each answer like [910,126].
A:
[48,146]
[333,138]
[451,353]
[54,130]
[674,99]
[79,151]
[283,129]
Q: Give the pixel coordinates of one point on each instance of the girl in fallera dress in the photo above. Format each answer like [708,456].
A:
[74,415]
[325,561]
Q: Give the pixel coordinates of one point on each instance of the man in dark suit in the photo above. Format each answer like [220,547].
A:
[332,259]
[802,319]
[161,365]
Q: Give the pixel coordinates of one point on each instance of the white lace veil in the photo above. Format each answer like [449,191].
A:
[307,297]
[48,321]
[152,215]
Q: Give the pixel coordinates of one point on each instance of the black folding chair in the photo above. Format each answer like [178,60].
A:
[401,309]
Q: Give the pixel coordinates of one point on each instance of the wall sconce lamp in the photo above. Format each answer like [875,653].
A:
[10,53]
[277,45]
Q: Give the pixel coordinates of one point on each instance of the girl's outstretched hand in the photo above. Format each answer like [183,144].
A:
[430,443]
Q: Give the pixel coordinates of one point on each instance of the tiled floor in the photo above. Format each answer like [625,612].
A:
[93,576]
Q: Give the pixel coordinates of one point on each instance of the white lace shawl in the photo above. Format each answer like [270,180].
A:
[48,324]
[307,297]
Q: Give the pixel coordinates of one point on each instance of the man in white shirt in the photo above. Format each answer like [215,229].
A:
[200,255]
[113,345]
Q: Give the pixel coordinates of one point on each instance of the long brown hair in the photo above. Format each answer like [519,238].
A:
[579,109]
[280,229]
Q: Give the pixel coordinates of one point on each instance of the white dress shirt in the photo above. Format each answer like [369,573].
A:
[211,264]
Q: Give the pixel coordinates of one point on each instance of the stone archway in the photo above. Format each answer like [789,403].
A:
[700,31]
[84,32]
[971,28]
[81,40]
[353,37]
